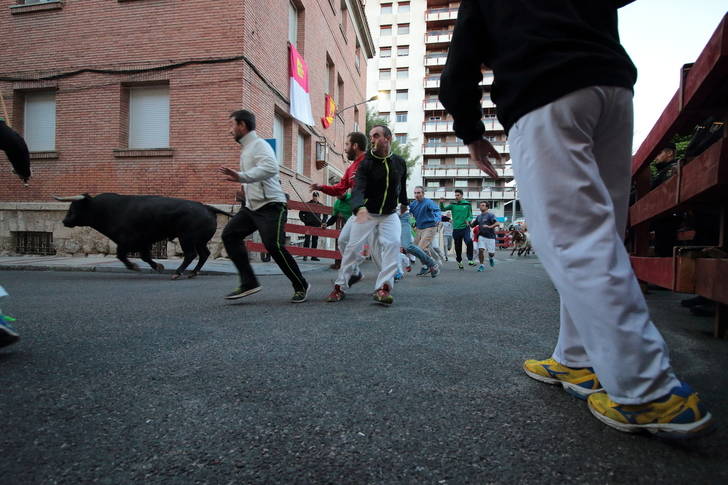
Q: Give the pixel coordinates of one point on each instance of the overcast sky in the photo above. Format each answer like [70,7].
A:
[661,36]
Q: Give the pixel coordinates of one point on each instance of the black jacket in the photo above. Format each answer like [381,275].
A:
[310,218]
[380,184]
[538,50]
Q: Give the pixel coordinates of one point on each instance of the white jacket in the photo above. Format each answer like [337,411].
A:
[259,172]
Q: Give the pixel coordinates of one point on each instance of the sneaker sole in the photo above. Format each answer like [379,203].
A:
[8,339]
[670,431]
[243,294]
[573,389]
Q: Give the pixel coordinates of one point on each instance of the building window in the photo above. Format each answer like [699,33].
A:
[330,76]
[39,127]
[403,7]
[341,91]
[385,74]
[356,119]
[433,162]
[385,52]
[357,56]
[401,138]
[279,133]
[401,117]
[402,95]
[292,23]
[434,118]
[462,161]
[301,153]
[461,183]
[385,30]
[344,18]
[384,114]
[402,73]
[434,184]
[149,117]
[402,50]
[402,29]
[386,9]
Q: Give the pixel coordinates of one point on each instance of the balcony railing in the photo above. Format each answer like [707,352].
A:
[438,37]
[471,193]
[504,170]
[438,59]
[457,148]
[434,81]
[435,105]
[435,14]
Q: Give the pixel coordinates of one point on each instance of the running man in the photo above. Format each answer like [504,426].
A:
[265,210]
[381,182]
[486,224]
[427,217]
[462,214]
[571,140]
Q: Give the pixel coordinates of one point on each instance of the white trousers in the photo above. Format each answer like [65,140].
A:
[344,237]
[388,232]
[571,159]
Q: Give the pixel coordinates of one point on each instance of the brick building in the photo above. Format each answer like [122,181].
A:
[133,96]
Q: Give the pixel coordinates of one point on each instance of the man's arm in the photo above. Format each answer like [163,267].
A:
[336,189]
[460,93]
[436,213]
[403,200]
[444,207]
[360,186]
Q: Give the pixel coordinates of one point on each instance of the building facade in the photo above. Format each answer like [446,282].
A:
[133,96]
[444,164]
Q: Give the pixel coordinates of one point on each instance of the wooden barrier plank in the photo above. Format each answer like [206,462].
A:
[708,172]
[312,230]
[658,271]
[660,200]
[295,250]
[712,281]
[302,206]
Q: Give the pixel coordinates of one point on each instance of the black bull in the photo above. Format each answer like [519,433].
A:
[136,222]
[17,151]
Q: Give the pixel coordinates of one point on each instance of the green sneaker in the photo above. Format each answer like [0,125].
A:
[678,415]
[382,296]
[300,295]
[579,382]
[460,265]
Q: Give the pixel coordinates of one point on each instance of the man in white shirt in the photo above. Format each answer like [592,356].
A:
[265,210]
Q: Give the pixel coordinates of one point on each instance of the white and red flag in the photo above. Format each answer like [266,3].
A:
[300,98]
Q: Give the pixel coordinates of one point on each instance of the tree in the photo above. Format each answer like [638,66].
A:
[401,149]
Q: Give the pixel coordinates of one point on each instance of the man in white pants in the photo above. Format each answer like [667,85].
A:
[486,224]
[564,96]
[381,182]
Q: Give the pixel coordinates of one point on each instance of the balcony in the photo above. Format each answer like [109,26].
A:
[441,14]
[434,81]
[435,105]
[485,193]
[438,59]
[457,148]
[437,126]
[438,37]
[504,170]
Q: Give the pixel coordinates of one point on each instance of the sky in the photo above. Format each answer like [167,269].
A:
[660,36]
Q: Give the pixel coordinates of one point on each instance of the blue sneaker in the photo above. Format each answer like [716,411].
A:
[8,335]
[492,262]
[424,271]
[678,415]
[398,276]
[481,268]
[434,271]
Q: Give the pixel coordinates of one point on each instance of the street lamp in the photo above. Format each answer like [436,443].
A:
[373,98]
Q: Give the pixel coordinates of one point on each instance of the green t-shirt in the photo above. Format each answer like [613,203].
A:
[462,213]
[342,208]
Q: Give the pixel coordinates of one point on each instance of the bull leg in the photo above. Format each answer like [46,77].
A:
[121,256]
[189,251]
[202,253]
[146,255]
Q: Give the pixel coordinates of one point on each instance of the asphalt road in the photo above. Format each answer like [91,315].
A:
[132,378]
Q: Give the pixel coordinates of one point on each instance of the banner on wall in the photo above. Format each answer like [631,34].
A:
[300,98]
[329,112]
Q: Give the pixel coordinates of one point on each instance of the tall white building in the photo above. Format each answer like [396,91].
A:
[412,38]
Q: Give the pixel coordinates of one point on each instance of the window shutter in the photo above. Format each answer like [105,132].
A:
[40,121]
[149,117]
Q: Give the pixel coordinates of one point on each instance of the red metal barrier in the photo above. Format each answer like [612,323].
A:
[301,229]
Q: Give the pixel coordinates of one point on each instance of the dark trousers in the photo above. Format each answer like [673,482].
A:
[270,222]
[459,235]
[310,241]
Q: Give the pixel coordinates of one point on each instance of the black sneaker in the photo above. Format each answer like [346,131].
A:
[314,258]
[355,278]
[300,295]
[242,291]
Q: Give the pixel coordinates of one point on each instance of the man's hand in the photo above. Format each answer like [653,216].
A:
[230,174]
[480,152]
[362,215]
[442,200]
[402,208]
[314,187]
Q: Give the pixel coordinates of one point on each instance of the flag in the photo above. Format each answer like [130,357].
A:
[330,110]
[300,99]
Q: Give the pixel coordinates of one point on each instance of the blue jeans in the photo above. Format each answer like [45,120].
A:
[421,255]
[459,235]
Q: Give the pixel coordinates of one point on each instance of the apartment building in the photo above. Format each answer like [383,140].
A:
[444,164]
[133,96]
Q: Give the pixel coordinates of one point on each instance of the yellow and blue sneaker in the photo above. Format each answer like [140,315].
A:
[579,382]
[678,415]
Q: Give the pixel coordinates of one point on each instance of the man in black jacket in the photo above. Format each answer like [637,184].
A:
[381,182]
[563,91]
[311,219]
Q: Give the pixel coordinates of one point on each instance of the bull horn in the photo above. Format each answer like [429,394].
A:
[69,198]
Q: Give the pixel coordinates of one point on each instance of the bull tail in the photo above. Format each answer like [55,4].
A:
[215,210]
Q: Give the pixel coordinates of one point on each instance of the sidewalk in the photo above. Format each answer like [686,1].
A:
[109,264]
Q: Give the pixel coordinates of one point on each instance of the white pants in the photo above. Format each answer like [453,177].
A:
[487,244]
[389,230]
[344,237]
[571,159]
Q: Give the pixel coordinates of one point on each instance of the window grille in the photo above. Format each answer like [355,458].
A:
[159,251]
[34,242]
